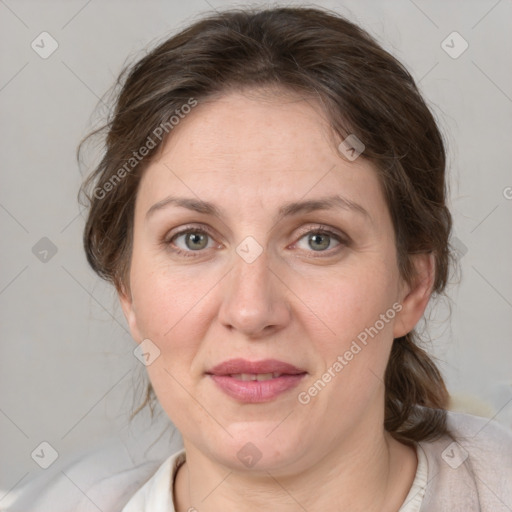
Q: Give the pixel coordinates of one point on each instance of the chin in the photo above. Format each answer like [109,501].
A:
[257,446]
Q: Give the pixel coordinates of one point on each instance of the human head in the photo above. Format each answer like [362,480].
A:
[362,91]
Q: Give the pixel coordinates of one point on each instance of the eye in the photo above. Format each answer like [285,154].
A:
[320,240]
[189,241]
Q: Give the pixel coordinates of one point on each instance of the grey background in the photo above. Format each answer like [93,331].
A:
[68,375]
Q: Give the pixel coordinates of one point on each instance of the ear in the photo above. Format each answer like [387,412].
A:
[126,300]
[415,296]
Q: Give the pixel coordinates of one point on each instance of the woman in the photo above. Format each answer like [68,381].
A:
[292,370]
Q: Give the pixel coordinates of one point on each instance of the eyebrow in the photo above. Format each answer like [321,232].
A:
[287,210]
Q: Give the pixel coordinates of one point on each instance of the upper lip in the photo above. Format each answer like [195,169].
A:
[237,366]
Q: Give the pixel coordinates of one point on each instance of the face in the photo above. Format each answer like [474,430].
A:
[292,259]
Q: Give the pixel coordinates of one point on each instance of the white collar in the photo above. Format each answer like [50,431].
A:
[156,495]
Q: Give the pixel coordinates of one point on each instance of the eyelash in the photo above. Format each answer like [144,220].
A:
[320,230]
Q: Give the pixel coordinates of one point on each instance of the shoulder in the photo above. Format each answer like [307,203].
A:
[104,479]
[480,429]
[472,466]
[487,442]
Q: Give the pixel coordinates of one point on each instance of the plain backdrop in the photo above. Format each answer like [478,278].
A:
[68,375]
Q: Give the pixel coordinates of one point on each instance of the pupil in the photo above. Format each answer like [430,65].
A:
[315,238]
[195,238]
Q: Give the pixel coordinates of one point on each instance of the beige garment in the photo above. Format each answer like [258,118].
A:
[468,473]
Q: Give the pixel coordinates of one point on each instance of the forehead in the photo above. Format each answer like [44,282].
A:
[254,148]
[254,125]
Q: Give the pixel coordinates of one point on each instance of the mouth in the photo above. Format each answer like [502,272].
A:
[267,367]
[260,377]
[255,381]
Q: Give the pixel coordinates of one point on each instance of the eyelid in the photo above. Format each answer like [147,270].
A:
[188,229]
[322,228]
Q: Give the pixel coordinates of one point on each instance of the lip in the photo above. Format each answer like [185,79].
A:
[255,391]
[234,366]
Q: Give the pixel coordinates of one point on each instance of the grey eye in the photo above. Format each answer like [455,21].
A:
[319,241]
[193,240]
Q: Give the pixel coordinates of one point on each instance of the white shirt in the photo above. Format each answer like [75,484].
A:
[156,494]
[473,473]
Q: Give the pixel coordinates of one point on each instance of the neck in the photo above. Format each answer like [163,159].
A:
[357,476]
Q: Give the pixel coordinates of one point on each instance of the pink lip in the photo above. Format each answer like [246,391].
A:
[265,366]
[255,391]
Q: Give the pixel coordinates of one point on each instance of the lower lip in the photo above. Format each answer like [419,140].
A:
[254,391]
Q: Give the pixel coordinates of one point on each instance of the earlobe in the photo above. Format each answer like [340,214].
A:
[126,300]
[416,295]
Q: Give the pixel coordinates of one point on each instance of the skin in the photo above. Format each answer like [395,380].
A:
[302,301]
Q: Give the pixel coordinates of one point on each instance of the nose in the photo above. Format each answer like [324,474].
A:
[254,298]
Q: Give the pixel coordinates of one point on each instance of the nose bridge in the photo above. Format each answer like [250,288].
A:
[253,299]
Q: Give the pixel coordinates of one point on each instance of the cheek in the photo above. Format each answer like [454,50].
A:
[170,311]
[165,300]
[352,331]
[345,304]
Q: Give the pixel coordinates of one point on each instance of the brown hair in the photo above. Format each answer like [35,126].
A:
[363,90]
